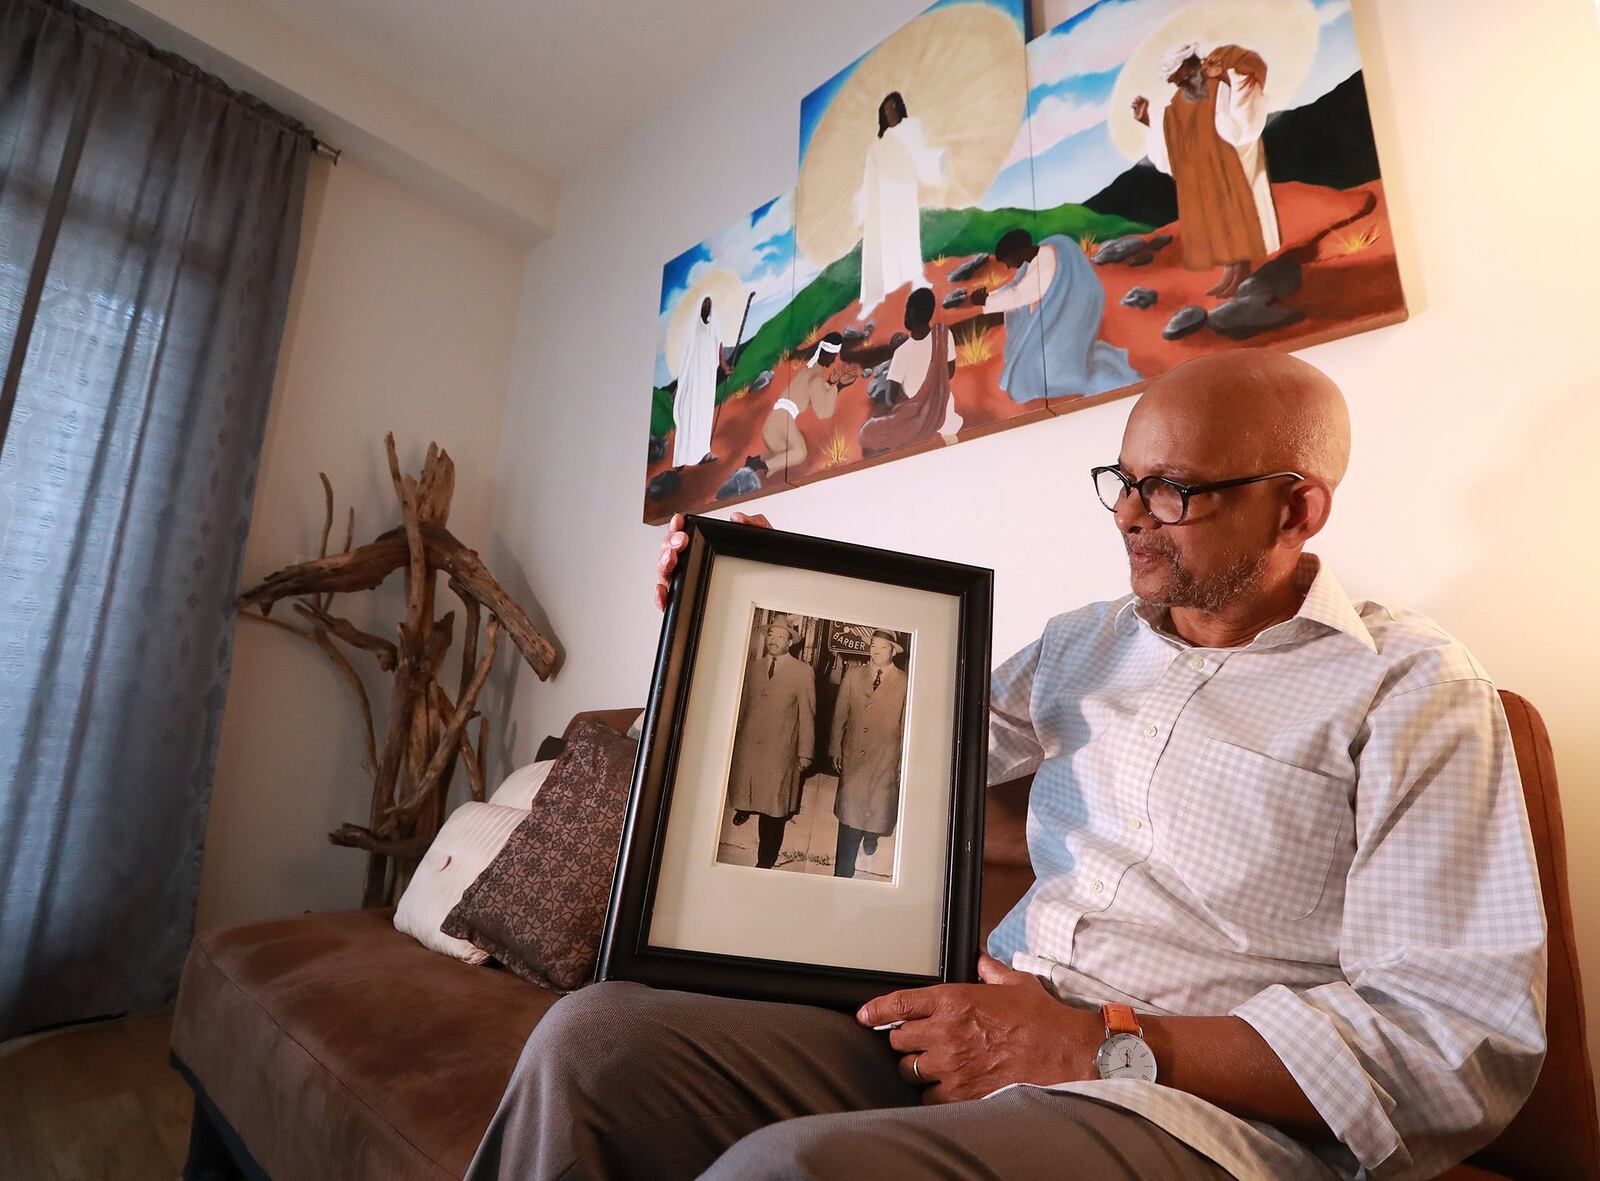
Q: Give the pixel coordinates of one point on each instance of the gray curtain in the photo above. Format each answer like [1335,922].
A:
[149,219]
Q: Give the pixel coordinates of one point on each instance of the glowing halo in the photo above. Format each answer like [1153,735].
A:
[727,308]
[963,73]
[1283,33]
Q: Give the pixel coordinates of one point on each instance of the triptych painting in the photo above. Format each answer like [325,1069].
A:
[988,229]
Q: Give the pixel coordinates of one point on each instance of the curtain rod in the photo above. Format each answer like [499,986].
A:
[323,150]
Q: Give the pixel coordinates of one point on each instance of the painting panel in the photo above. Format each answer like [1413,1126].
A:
[1232,139]
[722,363]
[914,163]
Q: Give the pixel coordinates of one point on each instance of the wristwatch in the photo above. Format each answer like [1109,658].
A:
[1124,1053]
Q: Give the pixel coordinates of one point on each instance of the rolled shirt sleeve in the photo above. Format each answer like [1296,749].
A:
[1014,748]
[1434,1038]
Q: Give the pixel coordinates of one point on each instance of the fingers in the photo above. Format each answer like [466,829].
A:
[759,520]
[992,971]
[912,1036]
[919,1075]
[673,543]
[905,1005]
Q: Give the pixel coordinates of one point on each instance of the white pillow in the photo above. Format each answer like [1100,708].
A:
[636,731]
[466,844]
[519,787]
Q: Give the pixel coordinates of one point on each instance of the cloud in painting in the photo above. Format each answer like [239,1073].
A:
[1332,11]
[760,250]
[1055,117]
[1102,39]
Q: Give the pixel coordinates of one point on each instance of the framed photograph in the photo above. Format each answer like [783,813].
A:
[806,821]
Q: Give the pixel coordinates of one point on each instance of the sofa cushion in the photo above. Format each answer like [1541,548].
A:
[338,1047]
[540,905]
[468,842]
[518,789]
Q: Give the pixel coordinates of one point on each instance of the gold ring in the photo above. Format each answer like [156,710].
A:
[917,1070]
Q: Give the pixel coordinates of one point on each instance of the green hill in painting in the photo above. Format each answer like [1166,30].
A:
[946,233]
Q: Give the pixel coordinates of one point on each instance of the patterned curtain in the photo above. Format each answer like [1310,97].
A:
[149,219]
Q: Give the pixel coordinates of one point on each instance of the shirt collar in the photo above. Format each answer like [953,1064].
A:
[1325,603]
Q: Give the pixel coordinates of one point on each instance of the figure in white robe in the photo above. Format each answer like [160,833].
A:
[889,205]
[694,406]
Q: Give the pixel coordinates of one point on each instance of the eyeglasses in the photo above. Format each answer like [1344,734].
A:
[1165,500]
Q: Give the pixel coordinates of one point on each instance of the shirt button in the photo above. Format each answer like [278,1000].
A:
[1197,663]
[1135,823]
[1097,885]
[1150,731]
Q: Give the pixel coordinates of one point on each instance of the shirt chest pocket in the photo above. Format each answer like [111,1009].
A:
[1252,836]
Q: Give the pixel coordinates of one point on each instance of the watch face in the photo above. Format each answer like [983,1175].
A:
[1123,1055]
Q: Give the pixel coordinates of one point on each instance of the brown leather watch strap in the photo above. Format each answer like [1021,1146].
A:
[1120,1019]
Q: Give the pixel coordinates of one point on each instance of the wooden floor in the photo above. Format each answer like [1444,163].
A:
[93,1103]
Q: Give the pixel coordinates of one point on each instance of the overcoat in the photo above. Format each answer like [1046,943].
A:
[867,725]
[777,727]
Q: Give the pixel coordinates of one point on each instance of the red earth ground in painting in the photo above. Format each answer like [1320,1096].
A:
[1350,284]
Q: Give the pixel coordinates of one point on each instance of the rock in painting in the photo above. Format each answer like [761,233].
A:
[1273,280]
[744,482]
[1241,317]
[969,268]
[1185,321]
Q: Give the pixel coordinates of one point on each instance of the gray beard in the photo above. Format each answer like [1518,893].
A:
[1212,594]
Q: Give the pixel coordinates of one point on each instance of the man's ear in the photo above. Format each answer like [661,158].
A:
[1306,511]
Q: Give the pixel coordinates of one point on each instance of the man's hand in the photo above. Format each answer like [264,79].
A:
[802,765]
[968,1040]
[676,542]
[1141,110]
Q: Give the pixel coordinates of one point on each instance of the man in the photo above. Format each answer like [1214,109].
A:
[1285,828]
[1209,142]
[920,371]
[868,721]
[1053,308]
[694,405]
[773,741]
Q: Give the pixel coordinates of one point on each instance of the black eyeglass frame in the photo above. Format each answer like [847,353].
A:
[1184,491]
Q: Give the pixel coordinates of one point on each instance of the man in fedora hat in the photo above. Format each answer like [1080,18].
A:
[773,743]
[868,721]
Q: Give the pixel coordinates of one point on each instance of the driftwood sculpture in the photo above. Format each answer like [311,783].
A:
[427,728]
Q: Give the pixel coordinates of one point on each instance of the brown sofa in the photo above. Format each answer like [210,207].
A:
[331,1045]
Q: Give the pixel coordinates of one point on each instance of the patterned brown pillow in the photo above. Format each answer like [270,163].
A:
[539,906]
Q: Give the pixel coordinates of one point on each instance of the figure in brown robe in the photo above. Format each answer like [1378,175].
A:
[915,417]
[1217,217]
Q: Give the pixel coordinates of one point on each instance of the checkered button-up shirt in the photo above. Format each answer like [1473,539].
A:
[1321,832]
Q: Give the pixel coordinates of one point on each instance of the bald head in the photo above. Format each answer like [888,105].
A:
[1244,413]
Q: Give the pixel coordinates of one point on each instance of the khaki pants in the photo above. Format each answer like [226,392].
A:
[624,1081]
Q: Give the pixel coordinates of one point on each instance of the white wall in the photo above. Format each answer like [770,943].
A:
[402,318]
[1472,494]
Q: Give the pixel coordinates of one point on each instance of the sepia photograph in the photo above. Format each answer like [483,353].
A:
[818,750]
[819,709]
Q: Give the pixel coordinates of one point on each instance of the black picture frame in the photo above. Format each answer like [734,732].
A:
[624,951]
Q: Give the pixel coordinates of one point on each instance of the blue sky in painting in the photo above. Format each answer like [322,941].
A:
[816,103]
[759,248]
[1073,155]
